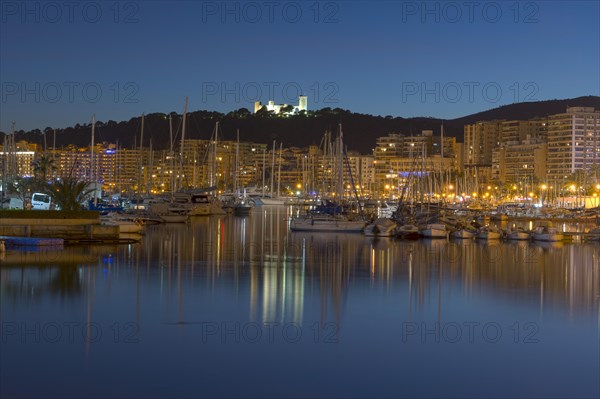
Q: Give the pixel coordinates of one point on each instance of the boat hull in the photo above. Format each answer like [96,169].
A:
[435,230]
[462,234]
[518,236]
[174,218]
[242,210]
[488,235]
[380,228]
[547,237]
[325,225]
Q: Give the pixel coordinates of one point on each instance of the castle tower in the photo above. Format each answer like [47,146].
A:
[302,103]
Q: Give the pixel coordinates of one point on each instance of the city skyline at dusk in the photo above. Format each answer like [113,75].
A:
[439,59]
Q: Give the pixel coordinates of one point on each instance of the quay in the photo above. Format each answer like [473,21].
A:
[68,226]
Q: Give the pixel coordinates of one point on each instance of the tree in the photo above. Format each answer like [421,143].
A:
[23,187]
[68,193]
[241,113]
[285,110]
[42,166]
[264,113]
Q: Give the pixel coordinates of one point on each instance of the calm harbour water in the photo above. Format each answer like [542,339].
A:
[241,307]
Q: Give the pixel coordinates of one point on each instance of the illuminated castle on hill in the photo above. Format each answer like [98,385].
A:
[276,108]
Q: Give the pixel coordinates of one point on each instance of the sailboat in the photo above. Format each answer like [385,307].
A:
[328,217]
[243,206]
[381,227]
[547,233]
[270,199]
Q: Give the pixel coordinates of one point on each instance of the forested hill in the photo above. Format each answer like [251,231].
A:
[360,130]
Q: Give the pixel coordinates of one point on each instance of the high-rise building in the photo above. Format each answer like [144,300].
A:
[523,160]
[480,140]
[515,131]
[573,142]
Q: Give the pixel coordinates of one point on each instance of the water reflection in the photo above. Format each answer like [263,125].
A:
[259,257]
[254,270]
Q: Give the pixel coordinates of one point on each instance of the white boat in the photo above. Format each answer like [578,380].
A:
[125,226]
[488,233]
[337,223]
[463,233]
[198,204]
[386,210]
[382,227]
[174,218]
[170,214]
[518,234]
[545,233]
[434,230]
[271,201]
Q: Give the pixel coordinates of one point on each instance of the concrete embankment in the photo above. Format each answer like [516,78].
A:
[69,226]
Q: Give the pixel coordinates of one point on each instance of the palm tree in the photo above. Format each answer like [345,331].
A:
[68,193]
[42,166]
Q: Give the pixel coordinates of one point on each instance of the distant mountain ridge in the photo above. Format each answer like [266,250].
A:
[360,130]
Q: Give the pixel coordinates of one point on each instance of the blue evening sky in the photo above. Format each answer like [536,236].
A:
[61,62]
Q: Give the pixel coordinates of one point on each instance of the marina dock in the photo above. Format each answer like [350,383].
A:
[31,242]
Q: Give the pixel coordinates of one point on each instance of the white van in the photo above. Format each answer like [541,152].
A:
[40,201]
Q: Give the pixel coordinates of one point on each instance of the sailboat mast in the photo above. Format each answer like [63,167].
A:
[237,161]
[182,142]
[213,155]
[92,175]
[264,164]
[171,175]
[279,168]
[150,168]
[340,164]
[141,173]
[54,146]
[92,152]
[442,161]
[272,169]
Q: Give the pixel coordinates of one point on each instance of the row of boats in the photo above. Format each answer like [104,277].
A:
[384,227]
[405,226]
[387,228]
[326,217]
